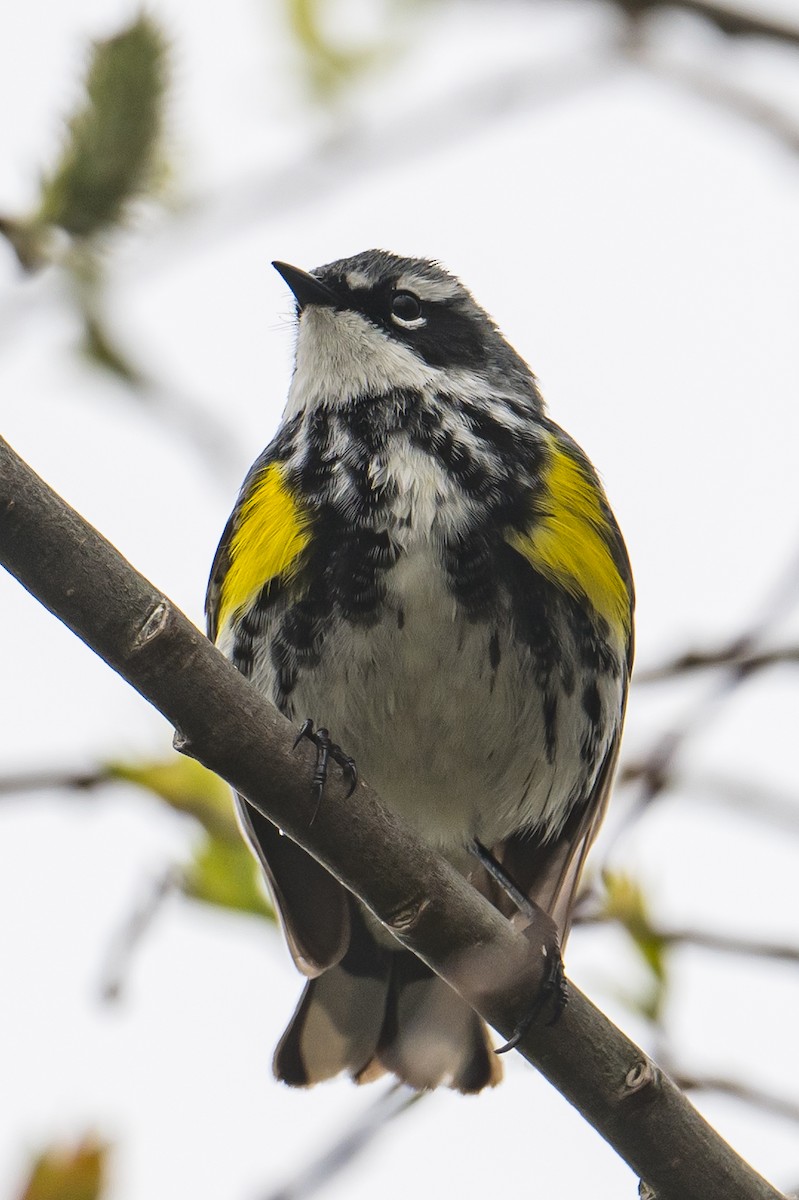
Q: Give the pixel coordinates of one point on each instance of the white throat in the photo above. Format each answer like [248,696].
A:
[342,355]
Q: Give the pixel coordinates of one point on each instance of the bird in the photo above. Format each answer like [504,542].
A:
[424,567]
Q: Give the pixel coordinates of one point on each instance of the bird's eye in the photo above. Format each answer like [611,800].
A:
[406,310]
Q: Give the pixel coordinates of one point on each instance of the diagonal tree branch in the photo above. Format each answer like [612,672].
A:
[425,903]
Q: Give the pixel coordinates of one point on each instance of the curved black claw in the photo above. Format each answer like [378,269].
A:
[325,750]
[553,995]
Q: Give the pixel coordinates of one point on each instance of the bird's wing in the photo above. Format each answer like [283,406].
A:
[313,907]
[262,548]
[571,539]
[549,874]
[259,559]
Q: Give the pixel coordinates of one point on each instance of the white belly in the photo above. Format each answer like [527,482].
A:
[451,743]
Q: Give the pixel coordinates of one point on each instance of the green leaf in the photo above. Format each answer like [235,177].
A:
[111,150]
[625,903]
[222,869]
[187,786]
[226,874]
[68,1174]
[328,65]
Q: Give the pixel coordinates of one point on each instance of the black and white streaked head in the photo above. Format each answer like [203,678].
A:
[377,321]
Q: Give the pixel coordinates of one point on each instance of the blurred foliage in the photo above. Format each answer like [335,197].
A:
[111,153]
[68,1174]
[227,875]
[221,870]
[99,346]
[111,157]
[187,786]
[102,350]
[111,150]
[329,65]
[624,903]
[30,242]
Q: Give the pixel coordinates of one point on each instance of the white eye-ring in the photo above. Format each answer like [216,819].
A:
[406,310]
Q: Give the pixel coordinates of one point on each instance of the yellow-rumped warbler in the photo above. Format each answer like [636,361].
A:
[425,564]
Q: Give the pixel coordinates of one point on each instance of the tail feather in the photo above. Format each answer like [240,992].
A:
[431,1036]
[339,1018]
[382,1010]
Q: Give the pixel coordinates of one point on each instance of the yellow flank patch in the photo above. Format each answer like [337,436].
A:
[269,537]
[569,543]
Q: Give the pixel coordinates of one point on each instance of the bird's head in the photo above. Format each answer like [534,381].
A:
[377,322]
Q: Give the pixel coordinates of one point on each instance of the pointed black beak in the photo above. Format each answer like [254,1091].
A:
[307,288]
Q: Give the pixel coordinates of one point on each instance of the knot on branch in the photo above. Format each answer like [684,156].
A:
[407,918]
[644,1077]
[153,625]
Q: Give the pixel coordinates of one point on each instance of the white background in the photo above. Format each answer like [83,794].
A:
[640,248]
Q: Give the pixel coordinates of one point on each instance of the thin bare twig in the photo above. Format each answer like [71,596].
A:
[728,944]
[364,1129]
[728,656]
[779,1106]
[747,797]
[210,438]
[138,924]
[706,939]
[52,780]
[721,92]
[654,772]
[733,22]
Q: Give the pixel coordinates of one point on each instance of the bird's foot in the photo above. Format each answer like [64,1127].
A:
[552,998]
[542,932]
[325,751]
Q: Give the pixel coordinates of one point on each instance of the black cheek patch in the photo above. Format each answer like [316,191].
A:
[449,339]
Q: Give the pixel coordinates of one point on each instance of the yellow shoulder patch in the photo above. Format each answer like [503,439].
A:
[570,541]
[270,533]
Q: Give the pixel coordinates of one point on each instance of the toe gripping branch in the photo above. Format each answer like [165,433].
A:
[325,751]
[552,995]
